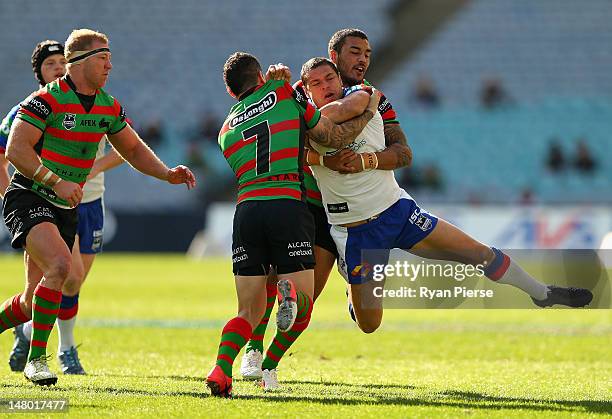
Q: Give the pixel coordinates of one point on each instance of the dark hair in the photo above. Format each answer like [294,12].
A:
[315,63]
[41,52]
[240,72]
[337,40]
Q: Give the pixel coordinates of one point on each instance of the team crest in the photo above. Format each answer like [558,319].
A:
[69,121]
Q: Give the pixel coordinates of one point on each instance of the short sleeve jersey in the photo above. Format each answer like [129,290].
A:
[263,141]
[70,134]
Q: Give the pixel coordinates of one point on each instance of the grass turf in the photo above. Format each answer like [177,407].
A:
[150,327]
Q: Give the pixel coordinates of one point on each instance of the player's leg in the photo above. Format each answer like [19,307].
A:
[447,242]
[324,264]
[251,265]
[23,332]
[236,332]
[88,244]
[67,352]
[365,308]
[250,366]
[291,243]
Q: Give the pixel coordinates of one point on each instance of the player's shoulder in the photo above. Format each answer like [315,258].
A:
[105,98]
[10,116]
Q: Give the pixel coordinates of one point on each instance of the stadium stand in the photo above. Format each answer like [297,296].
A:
[552,59]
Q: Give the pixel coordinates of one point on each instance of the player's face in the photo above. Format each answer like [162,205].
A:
[353,60]
[53,67]
[323,85]
[97,67]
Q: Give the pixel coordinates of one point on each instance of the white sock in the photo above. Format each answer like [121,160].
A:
[66,333]
[27,330]
[517,277]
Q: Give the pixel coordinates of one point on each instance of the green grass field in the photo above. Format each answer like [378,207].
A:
[149,327]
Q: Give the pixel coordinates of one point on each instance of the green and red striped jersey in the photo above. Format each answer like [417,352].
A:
[385,108]
[72,128]
[263,141]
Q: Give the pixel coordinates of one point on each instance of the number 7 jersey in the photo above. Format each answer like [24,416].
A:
[263,142]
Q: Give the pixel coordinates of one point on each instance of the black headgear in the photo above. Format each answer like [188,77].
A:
[43,50]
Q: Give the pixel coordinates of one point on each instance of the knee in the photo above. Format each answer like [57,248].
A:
[369,326]
[59,268]
[252,315]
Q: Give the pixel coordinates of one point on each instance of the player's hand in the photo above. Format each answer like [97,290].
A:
[69,191]
[181,174]
[374,101]
[278,72]
[345,161]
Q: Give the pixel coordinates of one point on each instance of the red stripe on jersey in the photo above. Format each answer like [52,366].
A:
[237,146]
[224,129]
[389,115]
[313,195]
[285,153]
[63,85]
[307,168]
[284,92]
[270,192]
[284,126]
[83,137]
[310,111]
[287,177]
[30,114]
[68,161]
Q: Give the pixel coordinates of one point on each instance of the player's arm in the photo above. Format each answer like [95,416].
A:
[4,175]
[109,161]
[332,135]
[20,152]
[346,108]
[134,150]
[398,153]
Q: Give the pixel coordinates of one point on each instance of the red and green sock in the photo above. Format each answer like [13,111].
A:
[11,314]
[256,341]
[283,340]
[234,336]
[45,306]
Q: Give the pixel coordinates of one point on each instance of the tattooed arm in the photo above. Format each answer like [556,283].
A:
[398,153]
[330,135]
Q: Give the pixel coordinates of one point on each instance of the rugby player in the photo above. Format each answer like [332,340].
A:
[48,64]
[351,50]
[52,145]
[368,210]
[262,139]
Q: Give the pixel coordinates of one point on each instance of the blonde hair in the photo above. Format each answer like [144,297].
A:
[81,40]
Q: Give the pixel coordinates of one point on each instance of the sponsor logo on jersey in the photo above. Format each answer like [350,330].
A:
[337,208]
[254,110]
[104,123]
[69,121]
[38,107]
[88,123]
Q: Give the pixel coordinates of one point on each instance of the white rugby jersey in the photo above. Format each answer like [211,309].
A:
[357,196]
[94,188]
